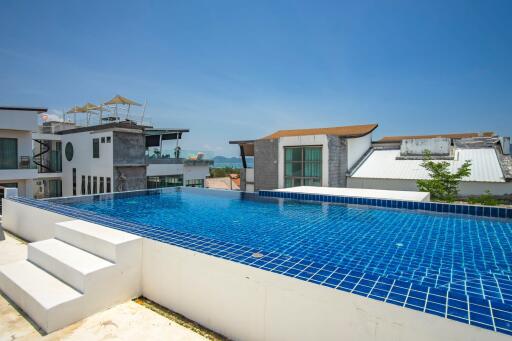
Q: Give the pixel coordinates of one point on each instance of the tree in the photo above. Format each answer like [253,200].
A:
[442,185]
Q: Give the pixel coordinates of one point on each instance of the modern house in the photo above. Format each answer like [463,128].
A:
[109,154]
[394,162]
[304,157]
[347,157]
[16,166]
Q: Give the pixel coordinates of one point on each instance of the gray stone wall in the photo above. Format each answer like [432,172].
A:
[129,149]
[265,164]
[243,179]
[338,161]
[129,178]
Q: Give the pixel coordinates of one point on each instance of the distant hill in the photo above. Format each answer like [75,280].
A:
[234,162]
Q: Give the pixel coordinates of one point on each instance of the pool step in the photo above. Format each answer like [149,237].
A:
[51,303]
[76,267]
[99,240]
[86,268]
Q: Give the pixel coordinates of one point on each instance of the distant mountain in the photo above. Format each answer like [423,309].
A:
[234,162]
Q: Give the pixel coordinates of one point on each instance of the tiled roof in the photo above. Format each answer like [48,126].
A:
[346,131]
[451,136]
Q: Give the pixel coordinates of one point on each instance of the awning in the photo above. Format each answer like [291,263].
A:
[118,99]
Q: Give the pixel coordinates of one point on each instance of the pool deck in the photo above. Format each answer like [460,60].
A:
[127,321]
[360,192]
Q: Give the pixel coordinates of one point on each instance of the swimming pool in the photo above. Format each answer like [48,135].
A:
[454,266]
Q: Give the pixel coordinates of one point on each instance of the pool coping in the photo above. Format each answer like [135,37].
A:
[438,207]
[442,302]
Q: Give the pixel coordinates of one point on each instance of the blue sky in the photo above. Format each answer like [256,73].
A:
[243,69]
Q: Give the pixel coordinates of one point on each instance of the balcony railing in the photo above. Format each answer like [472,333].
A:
[24,162]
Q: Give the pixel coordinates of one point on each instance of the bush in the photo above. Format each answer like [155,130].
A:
[442,185]
[485,199]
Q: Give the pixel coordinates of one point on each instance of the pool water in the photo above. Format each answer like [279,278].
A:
[454,266]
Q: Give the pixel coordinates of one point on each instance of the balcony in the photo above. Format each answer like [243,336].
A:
[24,168]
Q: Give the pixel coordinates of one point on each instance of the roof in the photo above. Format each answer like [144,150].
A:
[106,126]
[160,131]
[345,131]
[38,109]
[382,164]
[451,136]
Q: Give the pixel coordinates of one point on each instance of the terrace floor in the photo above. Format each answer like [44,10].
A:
[128,321]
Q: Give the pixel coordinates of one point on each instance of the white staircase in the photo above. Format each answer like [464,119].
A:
[84,269]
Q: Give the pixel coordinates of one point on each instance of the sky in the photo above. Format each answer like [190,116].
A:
[234,70]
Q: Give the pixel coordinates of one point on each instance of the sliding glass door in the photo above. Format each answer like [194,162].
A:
[8,153]
[303,166]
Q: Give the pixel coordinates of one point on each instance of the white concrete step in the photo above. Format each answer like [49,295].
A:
[98,240]
[70,264]
[51,303]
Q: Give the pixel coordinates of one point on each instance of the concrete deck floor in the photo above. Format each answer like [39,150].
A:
[128,321]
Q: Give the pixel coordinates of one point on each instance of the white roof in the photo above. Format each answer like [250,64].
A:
[360,192]
[382,164]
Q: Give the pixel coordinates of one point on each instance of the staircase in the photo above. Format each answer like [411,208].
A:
[84,269]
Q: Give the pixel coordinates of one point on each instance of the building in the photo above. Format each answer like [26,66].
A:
[104,153]
[304,157]
[394,162]
[16,160]
[347,157]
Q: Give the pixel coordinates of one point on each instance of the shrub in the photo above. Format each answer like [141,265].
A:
[442,185]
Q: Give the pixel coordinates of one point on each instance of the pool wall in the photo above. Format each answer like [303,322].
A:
[243,302]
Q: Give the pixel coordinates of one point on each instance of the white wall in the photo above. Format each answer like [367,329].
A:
[195,172]
[309,140]
[245,303]
[83,161]
[465,188]
[356,148]
[164,169]
[19,120]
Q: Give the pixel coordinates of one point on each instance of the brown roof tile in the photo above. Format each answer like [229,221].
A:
[451,136]
[346,131]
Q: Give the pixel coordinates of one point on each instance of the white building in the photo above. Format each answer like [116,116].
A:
[16,163]
[347,157]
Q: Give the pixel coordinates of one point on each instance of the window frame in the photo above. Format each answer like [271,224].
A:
[302,178]
[96,148]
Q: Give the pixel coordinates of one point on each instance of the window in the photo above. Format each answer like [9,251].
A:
[194,183]
[83,185]
[102,184]
[303,166]
[89,184]
[8,153]
[109,188]
[96,148]
[103,139]
[94,185]
[74,181]
[165,181]
[68,150]
[109,139]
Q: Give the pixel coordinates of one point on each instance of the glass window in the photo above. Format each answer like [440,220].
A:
[303,166]
[94,185]
[89,184]
[103,139]
[109,186]
[95,148]
[164,181]
[194,183]
[74,181]
[109,139]
[68,150]
[83,185]
[102,184]
[8,153]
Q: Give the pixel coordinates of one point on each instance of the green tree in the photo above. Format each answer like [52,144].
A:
[443,185]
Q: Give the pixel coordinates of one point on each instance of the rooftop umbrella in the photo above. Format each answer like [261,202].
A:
[118,99]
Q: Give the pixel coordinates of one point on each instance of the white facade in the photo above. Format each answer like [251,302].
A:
[19,124]
[84,162]
[356,148]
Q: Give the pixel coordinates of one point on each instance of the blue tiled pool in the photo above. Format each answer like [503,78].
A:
[454,266]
